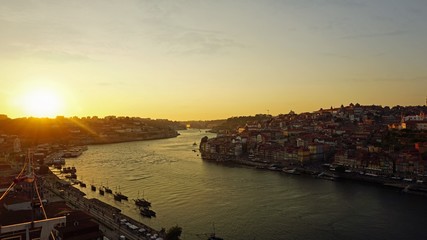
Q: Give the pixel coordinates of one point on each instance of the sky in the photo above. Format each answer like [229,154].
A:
[209,59]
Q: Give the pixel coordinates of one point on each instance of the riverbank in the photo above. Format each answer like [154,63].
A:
[123,139]
[325,173]
[112,222]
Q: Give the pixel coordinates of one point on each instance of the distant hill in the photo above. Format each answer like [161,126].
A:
[210,124]
[231,124]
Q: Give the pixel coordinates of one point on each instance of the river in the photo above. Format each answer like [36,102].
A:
[243,203]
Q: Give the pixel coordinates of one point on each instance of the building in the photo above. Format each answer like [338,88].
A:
[79,226]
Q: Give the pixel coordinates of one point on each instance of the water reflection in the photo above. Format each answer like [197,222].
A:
[243,203]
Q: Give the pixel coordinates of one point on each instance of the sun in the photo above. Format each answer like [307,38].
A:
[42,102]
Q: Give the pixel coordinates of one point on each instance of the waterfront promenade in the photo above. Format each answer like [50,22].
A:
[320,172]
[112,221]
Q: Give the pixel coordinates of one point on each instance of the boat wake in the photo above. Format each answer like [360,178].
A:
[162,161]
[131,179]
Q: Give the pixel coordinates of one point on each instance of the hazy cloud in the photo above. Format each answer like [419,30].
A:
[184,41]
[104,84]
[375,35]
[417,79]
[60,56]
[336,55]
[108,28]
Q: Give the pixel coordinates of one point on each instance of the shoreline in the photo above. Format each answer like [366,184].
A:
[110,219]
[411,188]
[110,141]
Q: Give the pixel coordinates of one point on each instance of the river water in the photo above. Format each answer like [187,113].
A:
[243,203]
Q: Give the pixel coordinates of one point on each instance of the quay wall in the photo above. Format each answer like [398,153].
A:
[398,185]
[106,215]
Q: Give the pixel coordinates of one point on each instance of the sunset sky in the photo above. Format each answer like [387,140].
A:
[209,59]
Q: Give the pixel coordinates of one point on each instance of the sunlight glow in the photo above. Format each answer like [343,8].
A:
[42,103]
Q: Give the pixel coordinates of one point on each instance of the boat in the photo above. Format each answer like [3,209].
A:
[141,202]
[275,167]
[82,184]
[108,190]
[117,198]
[327,176]
[92,187]
[213,237]
[153,213]
[291,171]
[101,191]
[121,196]
[194,144]
[146,212]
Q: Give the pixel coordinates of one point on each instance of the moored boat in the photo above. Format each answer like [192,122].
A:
[108,190]
[141,202]
[146,212]
[121,196]
[117,198]
[291,171]
[327,176]
[213,237]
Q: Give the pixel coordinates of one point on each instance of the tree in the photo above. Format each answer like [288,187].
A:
[173,233]
[204,139]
